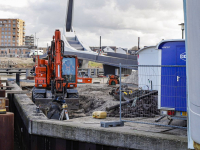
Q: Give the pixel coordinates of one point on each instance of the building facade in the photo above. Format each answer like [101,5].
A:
[12,32]
[29,40]
[15,51]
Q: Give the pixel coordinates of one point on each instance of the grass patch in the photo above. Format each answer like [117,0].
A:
[92,64]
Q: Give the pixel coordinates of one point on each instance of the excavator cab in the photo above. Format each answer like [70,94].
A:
[70,71]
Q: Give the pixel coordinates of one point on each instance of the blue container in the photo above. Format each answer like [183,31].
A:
[173,79]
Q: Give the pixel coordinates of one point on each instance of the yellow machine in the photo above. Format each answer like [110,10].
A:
[99,114]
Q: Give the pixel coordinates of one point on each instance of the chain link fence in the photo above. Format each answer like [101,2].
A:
[152,94]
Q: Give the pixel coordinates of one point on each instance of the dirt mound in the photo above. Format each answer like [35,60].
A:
[95,98]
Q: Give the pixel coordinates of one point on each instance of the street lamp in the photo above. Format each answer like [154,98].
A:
[37,42]
[182,28]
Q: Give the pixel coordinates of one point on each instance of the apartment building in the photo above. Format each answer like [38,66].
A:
[12,32]
[29,40]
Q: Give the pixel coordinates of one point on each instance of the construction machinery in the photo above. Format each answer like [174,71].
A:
[113,80]
[55,78]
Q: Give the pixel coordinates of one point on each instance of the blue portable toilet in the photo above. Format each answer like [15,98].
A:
[173,79]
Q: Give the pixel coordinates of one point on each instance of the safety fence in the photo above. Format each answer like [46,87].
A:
[154,95]
[15,55]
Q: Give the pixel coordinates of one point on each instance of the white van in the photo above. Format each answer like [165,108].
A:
[35,52]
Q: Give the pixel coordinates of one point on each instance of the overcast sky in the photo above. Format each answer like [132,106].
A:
[119,22]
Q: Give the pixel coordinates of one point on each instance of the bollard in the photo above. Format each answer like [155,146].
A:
[37,109]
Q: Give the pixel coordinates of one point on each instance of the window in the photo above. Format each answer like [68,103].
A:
[2,36]
[5,29]
[5,36]
[1,21]
[14,21]
[5,33]
[8,29]
[13,44]
[9,37]
[2,32]
[1,25]
[8,44]
[8,40]
[14,25]
[9,21]
[5,21]
[1,40]
[9,25]
[2,44]
[2,29]
[8,33]
[68,71]
[6,25]
[5,40]
[5,44]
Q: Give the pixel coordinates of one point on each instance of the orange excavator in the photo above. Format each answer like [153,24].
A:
[113,80]
[56,77]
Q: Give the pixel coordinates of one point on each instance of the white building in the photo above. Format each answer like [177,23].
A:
[149,77]
[121,51]
[108,49]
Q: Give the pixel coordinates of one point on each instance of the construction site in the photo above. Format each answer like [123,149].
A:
[73,97]
[37,124]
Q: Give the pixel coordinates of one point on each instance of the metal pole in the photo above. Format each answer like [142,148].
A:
[120,92]
[37,43]
[35,38]
[182,33]
[100,45]
[138,43]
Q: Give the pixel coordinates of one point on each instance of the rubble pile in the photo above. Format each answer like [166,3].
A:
[140,103]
